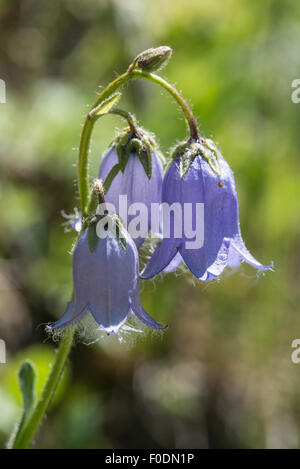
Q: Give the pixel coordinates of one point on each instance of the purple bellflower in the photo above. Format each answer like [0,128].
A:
[139,176]
[199,174]
[106,283]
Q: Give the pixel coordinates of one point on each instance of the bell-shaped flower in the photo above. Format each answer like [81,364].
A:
[106,282]
[137,183]
[198,174]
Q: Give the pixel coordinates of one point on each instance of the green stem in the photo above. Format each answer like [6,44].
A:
[83,175]
[26,435]
[187,112]
[128,116]
[84,148]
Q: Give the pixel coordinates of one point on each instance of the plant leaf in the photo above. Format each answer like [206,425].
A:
[106,106]
[27,377]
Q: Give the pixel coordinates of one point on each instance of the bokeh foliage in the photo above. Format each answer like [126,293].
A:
[221,375]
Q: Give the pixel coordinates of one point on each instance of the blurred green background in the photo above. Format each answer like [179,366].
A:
[221,376]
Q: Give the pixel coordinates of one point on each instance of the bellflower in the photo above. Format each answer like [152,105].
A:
[199,174]
[105,284]
[139,177]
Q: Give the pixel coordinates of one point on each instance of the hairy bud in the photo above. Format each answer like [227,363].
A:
[153,59]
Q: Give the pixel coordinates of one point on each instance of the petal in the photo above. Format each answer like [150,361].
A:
[216,269]
[69,317]
[155,182]
[234,258]
[109,160]
[143,316]
[196,261]
[82,284]
[111,328]
[155,192]
[174,264]
[239,253]
[114,277]
[133,182]
[138,242]
[136,306]
[164,253]
[202,185]
[103,281]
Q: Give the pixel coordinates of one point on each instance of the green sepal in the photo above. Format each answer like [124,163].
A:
[142,144]
[27,378]
[110,177]
[115,226]
[120,237]
[187,151]
[92,236]
[123,160]
[216,154]
[121,146]
[146,159]
[184,164]
[93,202]
[119,231]
[184,155]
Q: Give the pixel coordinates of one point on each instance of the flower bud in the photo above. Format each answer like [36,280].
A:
[153,59]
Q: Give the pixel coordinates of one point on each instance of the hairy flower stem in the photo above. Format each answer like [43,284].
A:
[129,117]
[83,176]
[28,432]
[187,112]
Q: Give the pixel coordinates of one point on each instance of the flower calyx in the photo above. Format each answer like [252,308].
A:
[187,151]
[141,143]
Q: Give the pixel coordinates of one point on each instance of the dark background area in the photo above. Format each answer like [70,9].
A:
[221,375]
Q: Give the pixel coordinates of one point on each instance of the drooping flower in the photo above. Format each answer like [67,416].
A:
[199,174]
[139,177]
[106,283]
